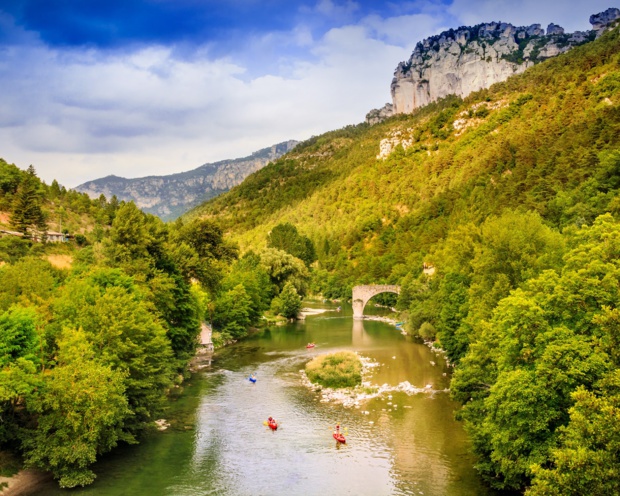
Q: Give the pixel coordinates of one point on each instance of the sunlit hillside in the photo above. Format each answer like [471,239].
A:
[544,141]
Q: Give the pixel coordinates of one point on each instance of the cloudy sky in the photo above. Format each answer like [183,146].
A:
[134,88]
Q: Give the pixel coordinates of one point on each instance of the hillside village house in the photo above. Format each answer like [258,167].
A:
[51,236]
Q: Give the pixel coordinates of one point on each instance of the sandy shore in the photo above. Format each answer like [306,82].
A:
[23,482]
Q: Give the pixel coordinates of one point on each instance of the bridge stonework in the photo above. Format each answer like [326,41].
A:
[361,295]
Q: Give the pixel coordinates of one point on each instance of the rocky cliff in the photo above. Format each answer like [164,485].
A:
[458,62]
[170,196]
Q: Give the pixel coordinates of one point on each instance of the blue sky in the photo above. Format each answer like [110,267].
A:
[150,87]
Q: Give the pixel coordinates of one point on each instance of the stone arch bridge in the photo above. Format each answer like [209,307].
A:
[361,295]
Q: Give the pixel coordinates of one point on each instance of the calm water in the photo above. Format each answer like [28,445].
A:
[218,445]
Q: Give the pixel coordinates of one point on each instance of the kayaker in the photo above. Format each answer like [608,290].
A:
[337,431]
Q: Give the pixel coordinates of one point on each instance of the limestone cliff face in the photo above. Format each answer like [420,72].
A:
[458,62]
[168,197]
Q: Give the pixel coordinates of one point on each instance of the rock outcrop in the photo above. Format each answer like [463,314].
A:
[603,21]
[458,62]
[378,115]
[170,196]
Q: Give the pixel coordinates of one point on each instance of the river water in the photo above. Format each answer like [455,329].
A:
[398,443]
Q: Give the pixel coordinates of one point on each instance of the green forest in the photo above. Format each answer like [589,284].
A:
[95,331]
[510,194]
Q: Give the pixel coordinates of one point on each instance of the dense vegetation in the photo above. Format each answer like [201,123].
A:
[512,195]
[96,330]
[336,370]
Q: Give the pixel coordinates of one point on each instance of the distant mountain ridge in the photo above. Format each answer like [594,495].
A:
[170,196]
[467,59]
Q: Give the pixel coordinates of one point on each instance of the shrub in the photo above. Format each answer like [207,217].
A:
[336,370]
[427,331]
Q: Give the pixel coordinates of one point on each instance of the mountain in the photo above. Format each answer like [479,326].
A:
[372,196]
[512,194]
[458,62]
[170,196]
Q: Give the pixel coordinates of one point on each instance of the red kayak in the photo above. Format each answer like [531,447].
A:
[340,438]
[272,425]
[310,345]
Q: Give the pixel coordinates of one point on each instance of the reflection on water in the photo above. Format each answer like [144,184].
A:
[218,444]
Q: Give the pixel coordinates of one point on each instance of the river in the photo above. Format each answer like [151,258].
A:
[398,443]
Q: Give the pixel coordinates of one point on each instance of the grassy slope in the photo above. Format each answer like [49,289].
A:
[552,130]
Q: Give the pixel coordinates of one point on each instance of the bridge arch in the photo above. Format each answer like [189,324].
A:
[361,295]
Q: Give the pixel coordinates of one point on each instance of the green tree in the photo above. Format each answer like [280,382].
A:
[26,213]
[555,336]
[30,281]
[18,381]
[80,413]
[117,320]
[588,458]
[282,268]
[129,238]
[248,272]
[285,237]
[288,303]
[18,334]
[232,312]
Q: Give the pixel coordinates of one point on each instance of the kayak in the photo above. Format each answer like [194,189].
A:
[252,379]
[310,345]
[340,438]
[273,425]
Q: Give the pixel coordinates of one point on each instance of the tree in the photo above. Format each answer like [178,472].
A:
[80,413]
[200,251]
[30,280]
[286,238]
[129,237]
[111,209]
[587,460]
[232,312]
[118,322]
[18,381]
[26,213]
[556,335]
[282,268]
[207,239]
[10,177]
[513,248]
[288,303]
[248,272]
[54,190]
[179,309]
[18,334]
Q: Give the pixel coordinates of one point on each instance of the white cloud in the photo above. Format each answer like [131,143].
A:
[333,10]
[82,115]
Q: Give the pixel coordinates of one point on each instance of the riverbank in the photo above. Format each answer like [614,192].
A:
[22,482]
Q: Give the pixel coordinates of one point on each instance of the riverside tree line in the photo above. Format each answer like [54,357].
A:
[89,351]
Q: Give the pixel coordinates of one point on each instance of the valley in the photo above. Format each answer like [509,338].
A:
[486,220]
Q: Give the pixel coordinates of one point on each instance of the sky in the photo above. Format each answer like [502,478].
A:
[135,88]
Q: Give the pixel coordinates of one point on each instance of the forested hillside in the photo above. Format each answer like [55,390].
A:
[97,326]
[512,194]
